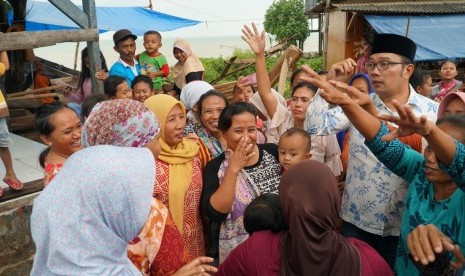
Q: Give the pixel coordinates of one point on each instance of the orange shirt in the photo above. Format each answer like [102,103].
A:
[42,81]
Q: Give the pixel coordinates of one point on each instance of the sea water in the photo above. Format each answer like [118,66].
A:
[64,53]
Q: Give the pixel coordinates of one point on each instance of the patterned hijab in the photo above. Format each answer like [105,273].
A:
[311,204]
[123,122]
[82,223]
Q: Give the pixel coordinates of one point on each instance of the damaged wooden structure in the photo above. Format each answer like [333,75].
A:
[278,73]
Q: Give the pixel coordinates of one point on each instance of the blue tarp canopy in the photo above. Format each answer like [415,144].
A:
[438,37]
[44,16]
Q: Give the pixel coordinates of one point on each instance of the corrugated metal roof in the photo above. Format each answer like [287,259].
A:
[396,7]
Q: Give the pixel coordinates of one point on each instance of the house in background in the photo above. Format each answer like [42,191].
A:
[437,27]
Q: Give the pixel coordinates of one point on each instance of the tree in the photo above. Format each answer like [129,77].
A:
[286,18]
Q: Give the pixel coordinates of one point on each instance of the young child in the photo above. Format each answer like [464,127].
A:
[422,82]
[294,146]
[116,87]
[448,82]
[142,88]
[152,62]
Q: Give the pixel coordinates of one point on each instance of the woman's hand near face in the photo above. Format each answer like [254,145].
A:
[239,158]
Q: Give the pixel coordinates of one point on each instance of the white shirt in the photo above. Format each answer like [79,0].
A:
[373,196]
[133,68]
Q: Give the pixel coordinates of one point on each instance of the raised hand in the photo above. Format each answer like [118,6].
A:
[343,70]
[254,38]
[407,121]
[332,90]
[198,266]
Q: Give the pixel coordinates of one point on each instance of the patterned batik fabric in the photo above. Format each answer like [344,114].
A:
[420,206]
[122,122]
[159,248]
[192,232]
[250,183]
[373,196]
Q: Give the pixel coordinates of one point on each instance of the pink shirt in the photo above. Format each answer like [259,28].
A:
[81,93]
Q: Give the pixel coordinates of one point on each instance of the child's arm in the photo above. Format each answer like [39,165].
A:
[164,68]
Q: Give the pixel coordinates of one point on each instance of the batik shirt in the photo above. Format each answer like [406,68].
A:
[420,206]
[373,196]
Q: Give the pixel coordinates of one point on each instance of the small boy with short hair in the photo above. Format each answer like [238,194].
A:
[422,82]
[152,62]
[142,88]
[294,146]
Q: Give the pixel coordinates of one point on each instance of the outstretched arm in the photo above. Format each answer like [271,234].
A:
[442,144]
[256,41]
[351,103]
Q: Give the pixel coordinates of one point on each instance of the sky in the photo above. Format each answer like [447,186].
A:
[220,17]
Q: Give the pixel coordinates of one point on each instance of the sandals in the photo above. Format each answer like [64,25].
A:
[14,185]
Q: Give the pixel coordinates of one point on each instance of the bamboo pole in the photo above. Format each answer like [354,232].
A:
[40,96]
[35,91]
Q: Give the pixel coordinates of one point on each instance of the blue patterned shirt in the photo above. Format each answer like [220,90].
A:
[373,197]
[420,206]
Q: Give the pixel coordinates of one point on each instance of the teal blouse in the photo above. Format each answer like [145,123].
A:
[419,204]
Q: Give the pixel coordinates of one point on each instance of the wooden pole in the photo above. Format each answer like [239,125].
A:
[27,40]
[34,91]
[408,26]
[93,48]
[76,55]
[326,34]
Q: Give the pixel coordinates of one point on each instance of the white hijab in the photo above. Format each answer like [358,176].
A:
[82,222]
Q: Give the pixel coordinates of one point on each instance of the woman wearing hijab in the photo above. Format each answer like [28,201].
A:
[179,171]
[312,245]
[129,123]
[82,223]
[188,67]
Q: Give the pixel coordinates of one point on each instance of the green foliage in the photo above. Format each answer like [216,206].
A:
[215,66]
[285,18]
[316,63]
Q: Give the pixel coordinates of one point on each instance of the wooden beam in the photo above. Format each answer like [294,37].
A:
[72,12]
[228,65]
[34,91]
[93,48]
[27,40]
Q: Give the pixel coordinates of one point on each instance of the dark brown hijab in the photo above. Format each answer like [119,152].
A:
[312,246]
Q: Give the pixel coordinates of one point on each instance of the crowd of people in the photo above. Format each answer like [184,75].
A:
[361,172]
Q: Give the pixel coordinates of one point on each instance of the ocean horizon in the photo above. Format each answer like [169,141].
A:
[64,53]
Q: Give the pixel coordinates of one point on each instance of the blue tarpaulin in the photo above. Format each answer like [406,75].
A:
[438,37]
[44,16]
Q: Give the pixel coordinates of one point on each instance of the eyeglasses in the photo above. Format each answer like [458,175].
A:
[381,65]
